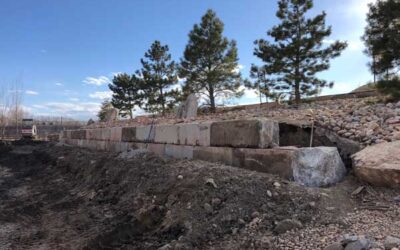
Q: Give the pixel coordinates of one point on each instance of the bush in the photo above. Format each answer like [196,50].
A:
[390,87]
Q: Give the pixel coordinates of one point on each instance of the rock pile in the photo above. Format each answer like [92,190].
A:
[365,120]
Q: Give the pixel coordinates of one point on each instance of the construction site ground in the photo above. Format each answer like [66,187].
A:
[62,197]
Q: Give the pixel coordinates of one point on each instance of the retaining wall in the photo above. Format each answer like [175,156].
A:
[251,144]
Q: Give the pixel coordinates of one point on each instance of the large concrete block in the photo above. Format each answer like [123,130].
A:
[214,154]
[259,133]
[179,151]
[158,149]
[145,133]
[128,134]
[78,134]
[166,134]
[194,134]
[277,161]
[99,134]
[116,134]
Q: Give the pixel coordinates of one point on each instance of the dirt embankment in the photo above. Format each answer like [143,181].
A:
[69,198]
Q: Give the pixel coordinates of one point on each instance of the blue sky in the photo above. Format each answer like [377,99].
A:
[66,51]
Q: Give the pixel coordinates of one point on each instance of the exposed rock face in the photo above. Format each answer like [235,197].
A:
[379,164]
[188,109]
[111,115]
[319,166]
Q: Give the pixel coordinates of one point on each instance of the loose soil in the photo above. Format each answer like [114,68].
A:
[59,197]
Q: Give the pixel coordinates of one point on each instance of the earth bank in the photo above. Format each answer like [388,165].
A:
[57,197]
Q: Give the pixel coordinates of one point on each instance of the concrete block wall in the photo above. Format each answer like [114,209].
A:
[243,143]
[250,144]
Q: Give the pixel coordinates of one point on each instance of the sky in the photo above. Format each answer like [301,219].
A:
[66,52]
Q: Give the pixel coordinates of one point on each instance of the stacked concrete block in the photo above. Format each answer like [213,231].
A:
[214,154]
[259,133]
[166,134]
[179,151]
[78,134]
[194,134]
[128,134]
[277,161]
[145,133]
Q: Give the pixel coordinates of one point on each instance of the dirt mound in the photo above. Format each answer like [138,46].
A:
[69,198]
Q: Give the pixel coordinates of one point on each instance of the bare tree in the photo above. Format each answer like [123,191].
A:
[4,109]
[16,95]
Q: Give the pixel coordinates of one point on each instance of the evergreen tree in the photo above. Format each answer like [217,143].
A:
[210,62]
[126,93]
[382,38]
[159,75]
[105,106]
[297,52]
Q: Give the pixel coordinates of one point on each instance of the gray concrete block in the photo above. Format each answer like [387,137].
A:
[78,134]
[166,134]
[179,151]
[194,134]
[128,134]
[145,133]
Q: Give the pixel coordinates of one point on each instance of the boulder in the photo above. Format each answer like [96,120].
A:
[379,164]
[319,166]
[188,109]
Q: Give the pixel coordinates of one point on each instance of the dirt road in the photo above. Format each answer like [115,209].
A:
[57,197]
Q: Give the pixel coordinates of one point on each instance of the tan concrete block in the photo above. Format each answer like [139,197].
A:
[214,154]
[274,161]
[257,133]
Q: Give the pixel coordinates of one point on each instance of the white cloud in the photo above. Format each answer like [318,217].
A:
[116,73]
[101,80]
[101,95]
[59,84]
[339,88]
[239,68]
[74,99]
[248,93]
[31,92]
[76,109]
[43,51]
[356,45]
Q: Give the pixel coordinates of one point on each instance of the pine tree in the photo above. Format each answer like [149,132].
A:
[105,106]
[126,93]
[159,75]
[210,62]
[297,52]
[382,38]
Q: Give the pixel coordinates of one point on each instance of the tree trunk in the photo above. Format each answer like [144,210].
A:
[162,102]
[212,100]
[297,92]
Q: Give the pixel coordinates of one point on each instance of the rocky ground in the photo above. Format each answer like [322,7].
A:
[58,197]
[366,120]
